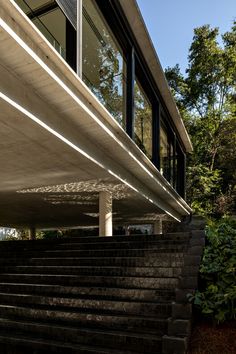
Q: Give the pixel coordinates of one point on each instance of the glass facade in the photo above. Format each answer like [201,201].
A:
[142,120]
[49,19]
[53,25]
[104,67]
[109,65]
[164,153]
[172,164]
[168,158]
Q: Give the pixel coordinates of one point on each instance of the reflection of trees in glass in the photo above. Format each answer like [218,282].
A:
[164,158]
[103,64]
[143,122]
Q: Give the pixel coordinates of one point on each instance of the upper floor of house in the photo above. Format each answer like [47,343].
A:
[106,43]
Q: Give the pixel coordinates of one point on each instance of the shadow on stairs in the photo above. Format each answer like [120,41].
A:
[121,295]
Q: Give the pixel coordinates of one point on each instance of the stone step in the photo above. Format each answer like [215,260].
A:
[21,343]
[95,295]
[127,322]
[130,238]
[168,272]
[103,281]
[138,239]
[29,244]
[112,252]
[160,244]
[78,335]
[160,310]
[119,294]
[163,260]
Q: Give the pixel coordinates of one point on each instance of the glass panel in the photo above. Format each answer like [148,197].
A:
[55,23]
[104,68]
[180,171]
[35,4]
[176,169]
[164,153]
[143,121]
[171,164]
[52,24]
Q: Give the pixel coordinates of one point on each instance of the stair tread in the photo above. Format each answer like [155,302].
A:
[180,255]
[21,339]
[87,295]
[5,320]
[132,237]
[150,242]
[83,267]
[85,287]
[150,250]
[82,300]
[86,276]
[67,310]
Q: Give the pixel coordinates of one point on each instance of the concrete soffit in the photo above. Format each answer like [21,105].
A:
[136,170]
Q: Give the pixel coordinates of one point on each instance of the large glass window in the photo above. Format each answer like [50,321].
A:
[53,26]
[104,67]
[164,153]
[172,167]
[143,120]
[167,155]
[49,19]
[180,171]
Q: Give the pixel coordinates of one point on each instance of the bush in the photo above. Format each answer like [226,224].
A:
[217,298]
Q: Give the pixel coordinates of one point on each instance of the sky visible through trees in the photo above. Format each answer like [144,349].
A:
[171,24]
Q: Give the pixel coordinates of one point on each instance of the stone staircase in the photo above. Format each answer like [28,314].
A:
[121,295]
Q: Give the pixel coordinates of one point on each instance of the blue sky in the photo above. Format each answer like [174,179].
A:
[171,23]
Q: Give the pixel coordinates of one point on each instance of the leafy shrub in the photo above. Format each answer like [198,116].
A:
[203,185]
[52,234]
[217,298]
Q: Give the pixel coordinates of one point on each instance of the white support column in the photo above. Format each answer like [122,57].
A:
[157,227]
[127,230]
[105,214]
[79,36]
[32,233]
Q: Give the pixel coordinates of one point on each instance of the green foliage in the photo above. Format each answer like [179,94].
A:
[202,187]
[206,98]
[217,299]
[52,234]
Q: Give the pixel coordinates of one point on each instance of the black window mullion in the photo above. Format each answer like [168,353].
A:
[71,44]
[42,10]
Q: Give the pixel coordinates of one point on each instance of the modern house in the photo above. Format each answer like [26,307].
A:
[90,134]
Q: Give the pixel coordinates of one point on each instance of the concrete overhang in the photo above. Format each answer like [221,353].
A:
[60,146]
[145,43]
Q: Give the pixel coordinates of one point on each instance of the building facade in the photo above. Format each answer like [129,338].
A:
[90,132]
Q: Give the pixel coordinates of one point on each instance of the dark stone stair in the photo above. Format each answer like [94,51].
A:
[96,295]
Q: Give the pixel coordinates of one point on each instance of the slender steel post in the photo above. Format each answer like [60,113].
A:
[79,37]
[130,109]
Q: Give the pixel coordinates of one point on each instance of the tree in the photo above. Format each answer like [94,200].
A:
[206,98]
